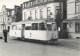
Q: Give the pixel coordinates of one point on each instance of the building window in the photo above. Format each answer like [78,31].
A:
[41,1]
[77,27]
[24,5]
[48,11]
[57,10]
[36,2]
[49,0]
[41,13]
[45,0]
[36,14]
[77,6]
[25,15]
[31,14]
[28,4]
[31,3]
[77,0]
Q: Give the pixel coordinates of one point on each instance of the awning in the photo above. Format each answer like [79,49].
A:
[73,19]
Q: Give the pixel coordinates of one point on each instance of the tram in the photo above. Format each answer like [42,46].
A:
[34,29]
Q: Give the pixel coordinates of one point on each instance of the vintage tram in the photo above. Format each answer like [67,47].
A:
[34,29]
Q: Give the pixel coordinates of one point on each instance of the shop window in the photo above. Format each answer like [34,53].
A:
[77,27]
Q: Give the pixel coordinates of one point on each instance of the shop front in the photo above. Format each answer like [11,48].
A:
[73,27]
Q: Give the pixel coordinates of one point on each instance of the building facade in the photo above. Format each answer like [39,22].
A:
[10,15]
[73,18]
[1,23]
[45,10]
[7,14]
[18,13]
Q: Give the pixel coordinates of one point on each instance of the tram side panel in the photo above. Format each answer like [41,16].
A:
[12,33]
[46,34]
[29,31]
[27,34]
[37,35]
[18,33]
[43,35]
[15,31]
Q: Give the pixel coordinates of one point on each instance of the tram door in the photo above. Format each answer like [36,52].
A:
[54,30]
[22,31]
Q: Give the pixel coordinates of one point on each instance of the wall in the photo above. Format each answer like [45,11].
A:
[71,13]
[70,8]
[44,7]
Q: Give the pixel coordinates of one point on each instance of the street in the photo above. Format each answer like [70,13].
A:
[63,47]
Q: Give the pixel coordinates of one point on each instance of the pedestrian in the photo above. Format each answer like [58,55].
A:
[5,35]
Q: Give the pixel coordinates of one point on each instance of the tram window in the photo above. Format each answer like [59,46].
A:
[49,27]
[14,27]
[55,28]
[18,27]
[35,26]
[28,28]
[42,26]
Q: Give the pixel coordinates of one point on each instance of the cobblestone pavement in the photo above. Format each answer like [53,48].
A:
[63,47]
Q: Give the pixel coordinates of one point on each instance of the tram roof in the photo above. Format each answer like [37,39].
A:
[34,21]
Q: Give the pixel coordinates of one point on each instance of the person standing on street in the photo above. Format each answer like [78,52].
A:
[5,35]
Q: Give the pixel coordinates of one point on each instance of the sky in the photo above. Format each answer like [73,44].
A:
[10,3]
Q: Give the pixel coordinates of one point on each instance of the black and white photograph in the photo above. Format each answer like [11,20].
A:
[39,27]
